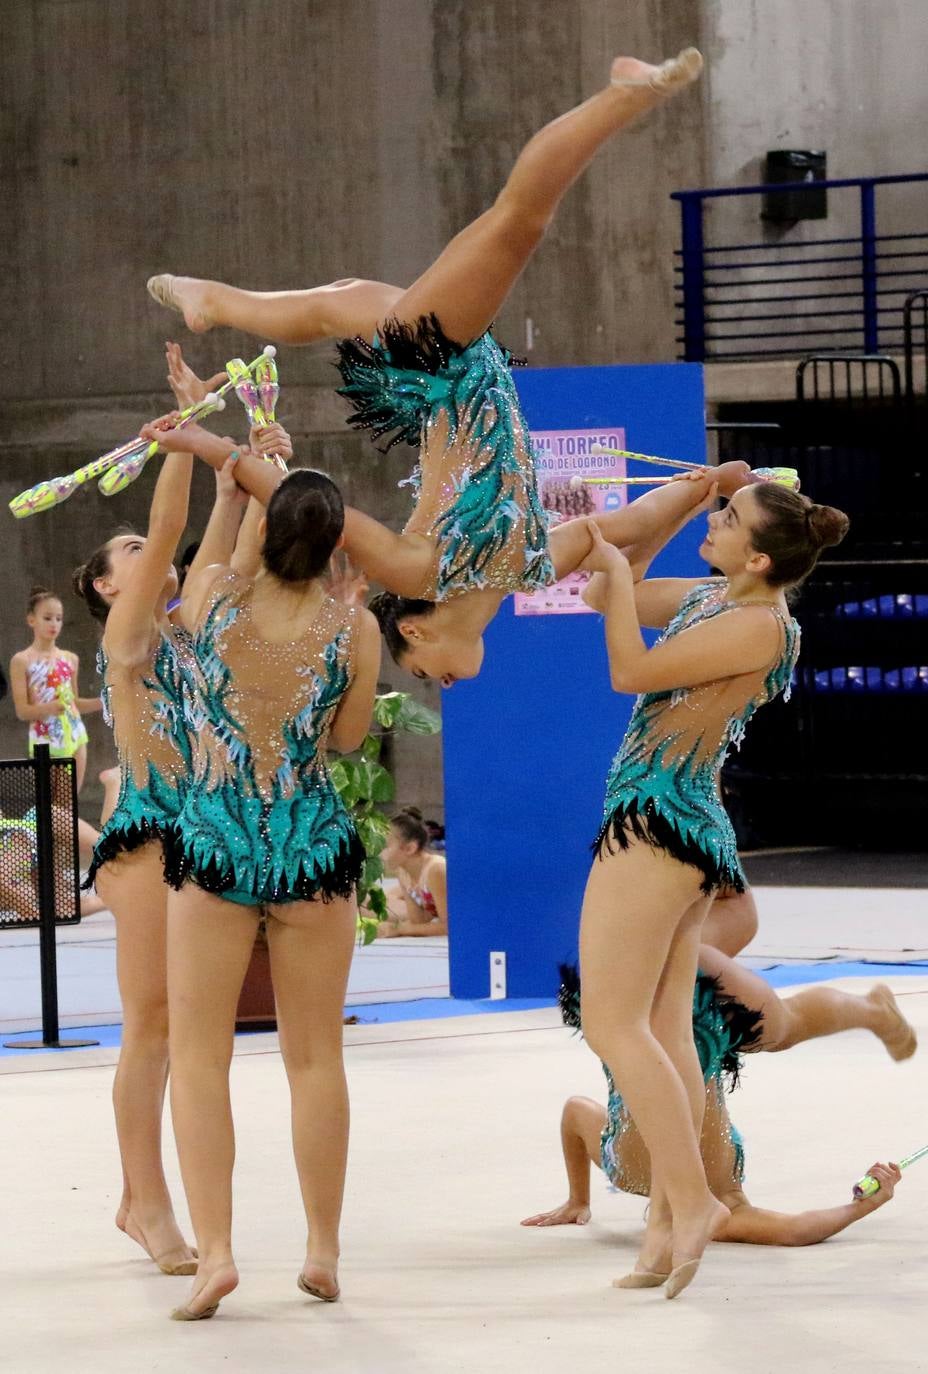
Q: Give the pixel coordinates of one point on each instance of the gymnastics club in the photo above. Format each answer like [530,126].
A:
[44,495]
[646,458]
[127,470]
[868,1185]
[134,454]
[259,397]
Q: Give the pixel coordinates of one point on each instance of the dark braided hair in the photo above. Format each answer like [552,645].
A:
[83,578]
[389,610]
[305,519]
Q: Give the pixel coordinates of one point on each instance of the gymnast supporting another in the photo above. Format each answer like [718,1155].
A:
[284,670]
[729,645]
[735,1012]
[422,366]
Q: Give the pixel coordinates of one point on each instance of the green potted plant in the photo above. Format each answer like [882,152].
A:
[365,785]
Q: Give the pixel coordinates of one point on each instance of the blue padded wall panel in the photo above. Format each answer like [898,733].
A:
[527,745]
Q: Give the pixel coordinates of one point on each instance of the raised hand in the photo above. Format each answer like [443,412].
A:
[347,583]
[271,441]
[228,490]
[165,433]
[188,388]
[604,557]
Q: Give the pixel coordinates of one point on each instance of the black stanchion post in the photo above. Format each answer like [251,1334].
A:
[45,872]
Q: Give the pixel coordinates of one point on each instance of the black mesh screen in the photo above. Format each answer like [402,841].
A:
[19,860]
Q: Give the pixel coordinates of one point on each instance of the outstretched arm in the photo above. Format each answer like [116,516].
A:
[582,1122]
[757,1226]
[129,625]
[740,642]
[254,475]
[399,561]
[224,522]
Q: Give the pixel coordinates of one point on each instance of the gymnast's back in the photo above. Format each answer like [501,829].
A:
[263,822]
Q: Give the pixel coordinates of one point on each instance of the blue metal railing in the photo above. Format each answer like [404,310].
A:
[859,295]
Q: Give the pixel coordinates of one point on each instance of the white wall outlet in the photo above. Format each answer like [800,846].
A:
[497,975]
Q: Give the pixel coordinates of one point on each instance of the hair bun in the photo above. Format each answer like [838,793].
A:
[827,526]
[39,589]
[412,811]
[383,606]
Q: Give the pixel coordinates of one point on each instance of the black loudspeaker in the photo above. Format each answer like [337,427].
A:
[788,168]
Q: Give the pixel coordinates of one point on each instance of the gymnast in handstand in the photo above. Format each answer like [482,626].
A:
[419,364]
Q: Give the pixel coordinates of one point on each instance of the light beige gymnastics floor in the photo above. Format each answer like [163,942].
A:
[454,1138]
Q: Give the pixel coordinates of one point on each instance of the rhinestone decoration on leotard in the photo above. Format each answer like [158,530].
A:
[147,708]
[475,484]
[724,1030]
[663,786]
[262,821]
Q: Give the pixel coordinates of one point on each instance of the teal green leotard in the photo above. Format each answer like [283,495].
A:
[147,708]
[475,485]
[261,821]
[663,786]
[724,1030]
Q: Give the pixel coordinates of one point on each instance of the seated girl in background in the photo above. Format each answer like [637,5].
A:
[421,905]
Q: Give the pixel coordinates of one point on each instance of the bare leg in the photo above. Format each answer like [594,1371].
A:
[468,283]
[133,888]
[471,279]
[813,1012]
[635,901]
[582,1124]
[732,921]
[311,947]
[347,307]
[209,945]
[672,1024]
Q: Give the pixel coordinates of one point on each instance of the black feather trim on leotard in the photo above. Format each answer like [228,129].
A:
[323,884]
[388,381]
[724,1028]
[122,840]
[628,823]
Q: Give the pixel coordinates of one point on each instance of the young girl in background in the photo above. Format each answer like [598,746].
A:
[44,681]
[421,905]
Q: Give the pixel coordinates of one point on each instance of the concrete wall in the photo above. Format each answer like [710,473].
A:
[279,145]
[840,75]
[282,144]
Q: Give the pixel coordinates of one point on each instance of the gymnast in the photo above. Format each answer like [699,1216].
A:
[146,668]
[423,366]
[148,677]
[735,1012]
[44,682]
[284,670]
[729,645]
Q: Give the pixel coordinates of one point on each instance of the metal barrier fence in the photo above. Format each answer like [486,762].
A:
[39,868]
[915,336]
[848,757]
[743,301]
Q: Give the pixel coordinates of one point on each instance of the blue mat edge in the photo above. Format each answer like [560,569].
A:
[442,1008]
